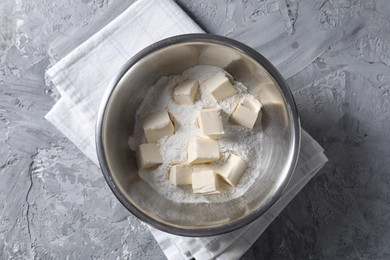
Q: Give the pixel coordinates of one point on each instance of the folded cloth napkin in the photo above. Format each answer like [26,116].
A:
[83,75]
[81,78]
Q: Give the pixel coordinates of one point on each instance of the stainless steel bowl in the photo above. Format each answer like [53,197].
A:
[172,56]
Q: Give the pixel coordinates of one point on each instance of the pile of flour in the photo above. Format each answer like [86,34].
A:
[247,143]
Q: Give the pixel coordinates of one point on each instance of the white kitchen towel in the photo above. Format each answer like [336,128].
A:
[81,78]
[233,245]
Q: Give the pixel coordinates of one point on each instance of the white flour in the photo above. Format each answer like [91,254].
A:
[247,143]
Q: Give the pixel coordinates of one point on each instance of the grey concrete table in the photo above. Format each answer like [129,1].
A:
[54,203]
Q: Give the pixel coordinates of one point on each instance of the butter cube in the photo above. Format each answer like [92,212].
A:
[210,122]
[205,182]
[148,156]
[157,125]
[202,150]
[232,170]
[246,112]
[185,92]
[180,175]
[219,87]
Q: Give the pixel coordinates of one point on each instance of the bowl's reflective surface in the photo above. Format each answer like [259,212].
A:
[173,56]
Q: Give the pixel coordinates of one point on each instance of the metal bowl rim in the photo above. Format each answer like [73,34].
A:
[203,38]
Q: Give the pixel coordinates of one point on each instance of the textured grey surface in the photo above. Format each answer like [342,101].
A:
[54,202]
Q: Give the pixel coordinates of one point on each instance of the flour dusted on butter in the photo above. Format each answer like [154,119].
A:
[167,178]
[246,112]
[148,156]
[205,182]
[210,122]
[185,92]
[180,174]
[202,150]
[157,125]
[232,170]
[220,87]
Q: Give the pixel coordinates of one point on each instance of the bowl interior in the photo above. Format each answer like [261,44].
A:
[199,219]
